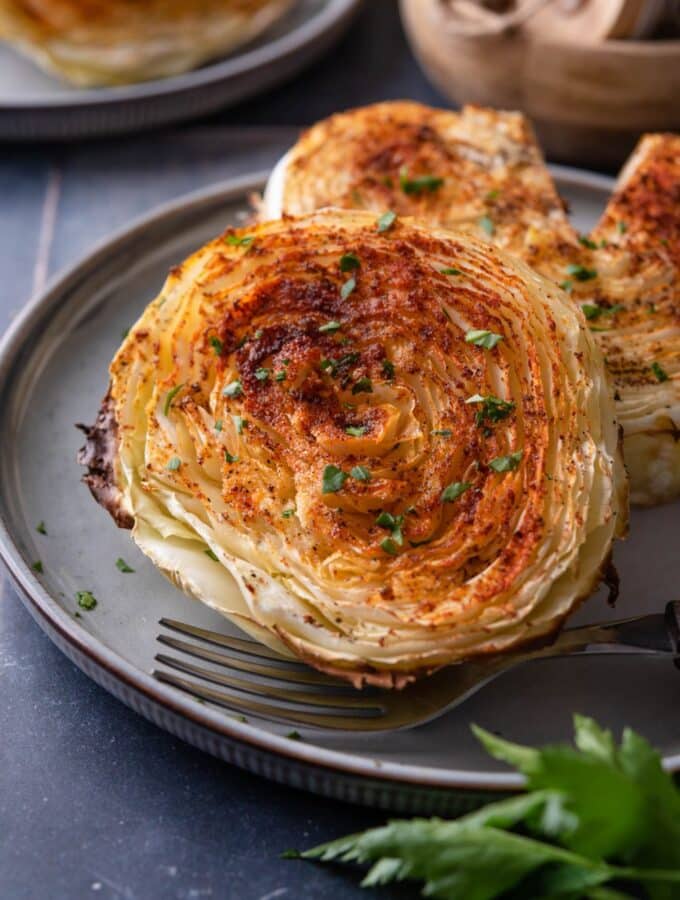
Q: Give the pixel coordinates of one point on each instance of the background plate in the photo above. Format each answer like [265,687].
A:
[36,106]
[53,367]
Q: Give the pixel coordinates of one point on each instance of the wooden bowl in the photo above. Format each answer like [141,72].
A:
[588,102]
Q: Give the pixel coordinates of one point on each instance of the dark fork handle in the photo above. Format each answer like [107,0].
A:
[658,632]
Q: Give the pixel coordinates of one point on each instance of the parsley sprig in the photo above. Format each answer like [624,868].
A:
[595,817]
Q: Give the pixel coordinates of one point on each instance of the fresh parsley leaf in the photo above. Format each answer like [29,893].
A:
[389,546]
[660,373]
[348,287]
[219,424]
[262,374]
[594,311]
[217,345]
[363,386]
[388,369]
[506,463]
[442,432]
[288,513]
[355,430]
[386,221]
[361,473]
[233,389]
[567,286]
[393,524]
[454,490]
[294,736]
[41,528]
[492,195]
[581,273]
[332,480]
[235,240]
[623,227]
[122,566]
[487,225]
[586,242]
[482,338]
[170,396]
[330,327]
[492,409]
[86,600]
[349,261]
[229,458]
[174,464]
[419,185]
[450,270]
[280,376]
[211,553]
[38,567]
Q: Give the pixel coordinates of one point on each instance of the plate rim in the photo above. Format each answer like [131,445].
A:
[53,618]
[233,66]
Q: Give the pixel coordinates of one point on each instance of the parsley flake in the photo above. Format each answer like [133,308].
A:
[442,432]
[567,286]
[38,567]
[217,345]
[219,425]
[330,327]
[122,566]
[355,430]
[363,386]
[174,464]
[41,528]
[348,287]
[506,463]
[229,458]
[233,389]
[211,554]
[349,261]
[392,524]
[419,185]
[386,221]
[170,396]
[450,270]
[659,371]
[581,273]
[486,224]
[235,241]
[86,600]
[586,242]
[332,480]
[389,546]
[482,338]
[454,490]
[492,409]
[388,369]
[262,374]
[280,376]
[239,423]
[288,513]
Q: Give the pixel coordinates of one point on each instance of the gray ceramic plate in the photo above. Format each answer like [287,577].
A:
[53,366]
[36,106]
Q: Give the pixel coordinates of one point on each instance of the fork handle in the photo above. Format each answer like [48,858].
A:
[658,632]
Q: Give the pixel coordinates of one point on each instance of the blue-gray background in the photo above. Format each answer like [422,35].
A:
[94,801]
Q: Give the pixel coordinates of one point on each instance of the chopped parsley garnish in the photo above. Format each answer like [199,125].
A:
[217,345]
[486,224]
[419,185]
[482,338]
[581,273]
[86,599]
[122,566]
[330,327]
[170,396]
[442,432]
[288,513]
[388,369]
[235,241]
[623,228]
[450,270]
[280,376]
[567,286]
[348,287]
[239,423]
[258,334]
[392,524]
[174,464]
[348,262]
[294,736]
[506,463]
[229,458]
[211,554]
[360,473]
[291,854]
[389,546]
[594,311]
[41,528]
[586,242]
[454,490]
[38,567]
[492,409]
[492,195]
[336,365]
[363,386]
[659,371]
[332,480]
[386,221]
[355,430]
[233,389]
[262,374]
[219,425]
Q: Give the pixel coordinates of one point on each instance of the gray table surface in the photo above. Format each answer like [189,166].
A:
[95,801]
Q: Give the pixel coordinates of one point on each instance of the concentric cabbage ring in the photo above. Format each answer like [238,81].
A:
[381,447]
[93,43]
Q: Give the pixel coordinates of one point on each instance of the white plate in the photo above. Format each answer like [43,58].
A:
[53,372]
[36,106]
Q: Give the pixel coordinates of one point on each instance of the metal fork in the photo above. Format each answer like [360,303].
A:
[286,691]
